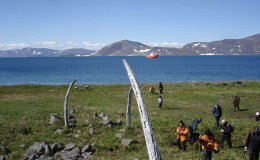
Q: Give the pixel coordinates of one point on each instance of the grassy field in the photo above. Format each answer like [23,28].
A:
[30,107]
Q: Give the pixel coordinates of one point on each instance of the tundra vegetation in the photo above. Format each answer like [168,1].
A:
[25,112]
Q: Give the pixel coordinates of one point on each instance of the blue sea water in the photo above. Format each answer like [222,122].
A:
[110,70]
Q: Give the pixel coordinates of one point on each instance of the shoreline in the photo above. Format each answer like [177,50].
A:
[144,83]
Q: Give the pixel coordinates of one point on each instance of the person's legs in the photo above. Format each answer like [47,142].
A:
[160,105]
[178,142]
[221,141]
[217,119]
[238,107]
[207,155]
[229,142]
[183,145]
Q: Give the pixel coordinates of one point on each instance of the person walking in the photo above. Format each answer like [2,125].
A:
[217,113]
[182,136]
[192,128]
[236,102]
[226,130]
[160,101]
[253,143]
[209,144]
[161,87]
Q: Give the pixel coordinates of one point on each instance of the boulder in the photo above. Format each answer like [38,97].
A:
[91,130]
[95,115]
[54,118]
[106,120]
[87,148]
[70,152]
[101,115]
[56,147]
[128,142]
[2,157]
[4,150]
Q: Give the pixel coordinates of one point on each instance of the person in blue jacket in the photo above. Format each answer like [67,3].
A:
[217,113]
[192,128]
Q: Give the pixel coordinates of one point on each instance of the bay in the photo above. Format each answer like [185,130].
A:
[110,70]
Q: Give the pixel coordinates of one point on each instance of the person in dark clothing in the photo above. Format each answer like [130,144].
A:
[236,102]
[256,117]
[253,143]
[161,87]
[160,101]
[192,128]
[226,131]
[217,113]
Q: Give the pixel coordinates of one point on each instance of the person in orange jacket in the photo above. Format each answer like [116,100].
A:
[209,144]
[182,136]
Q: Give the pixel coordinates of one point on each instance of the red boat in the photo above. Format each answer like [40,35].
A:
[152,55]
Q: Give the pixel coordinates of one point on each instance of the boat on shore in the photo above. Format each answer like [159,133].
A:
[152,55]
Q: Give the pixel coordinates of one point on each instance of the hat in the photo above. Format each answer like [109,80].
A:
[257,113]
[208,132]
[181,122]
[256,129]
[223,121]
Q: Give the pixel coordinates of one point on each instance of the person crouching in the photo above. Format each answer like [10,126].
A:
[182,136]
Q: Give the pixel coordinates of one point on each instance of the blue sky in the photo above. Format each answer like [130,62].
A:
[94,23]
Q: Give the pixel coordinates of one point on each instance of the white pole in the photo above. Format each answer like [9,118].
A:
[151,145]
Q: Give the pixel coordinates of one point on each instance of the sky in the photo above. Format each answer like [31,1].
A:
[93,24]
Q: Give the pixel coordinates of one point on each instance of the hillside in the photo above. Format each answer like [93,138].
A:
[45,52]
[244,46]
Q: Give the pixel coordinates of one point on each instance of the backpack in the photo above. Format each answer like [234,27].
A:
[231,128]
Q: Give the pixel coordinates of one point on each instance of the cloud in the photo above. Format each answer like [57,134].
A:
[69,45]
[50,44]
[54,45]
[13,46]
[94,46]
[165,44]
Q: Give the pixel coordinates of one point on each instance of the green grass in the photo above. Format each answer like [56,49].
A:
[30,106]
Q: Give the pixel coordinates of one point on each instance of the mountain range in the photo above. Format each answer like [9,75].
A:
[245,46]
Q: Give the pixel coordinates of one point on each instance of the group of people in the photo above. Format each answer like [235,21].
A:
[208,141]
[160,99]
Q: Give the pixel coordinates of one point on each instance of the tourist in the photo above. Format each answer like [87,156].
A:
[256,117]
[217,113]
[161,87]
[253,143]
[192,128]
[226,130]
[236,102]
[160,101]
[209,144]
[182,136]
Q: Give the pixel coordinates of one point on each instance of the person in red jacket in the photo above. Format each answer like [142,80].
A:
[182,136]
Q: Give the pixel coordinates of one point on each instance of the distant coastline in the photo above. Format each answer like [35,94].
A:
[244,46]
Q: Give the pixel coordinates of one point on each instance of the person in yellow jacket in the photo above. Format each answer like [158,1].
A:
[182,136]
[209,144]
